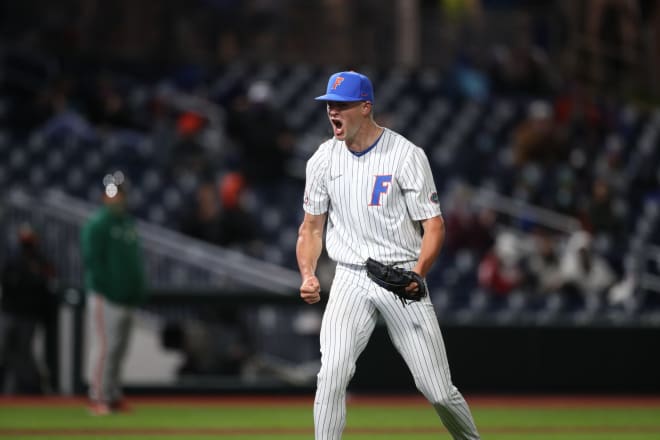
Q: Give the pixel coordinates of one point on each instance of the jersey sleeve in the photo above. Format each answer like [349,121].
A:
[417,184]
[316,199]
[93,242]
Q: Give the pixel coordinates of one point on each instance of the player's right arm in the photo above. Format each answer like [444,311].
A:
[93,244]
[310,234]
[308,251]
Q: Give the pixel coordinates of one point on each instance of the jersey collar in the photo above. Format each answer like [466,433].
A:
[371,147]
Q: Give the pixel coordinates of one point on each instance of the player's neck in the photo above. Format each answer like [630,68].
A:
[365,138]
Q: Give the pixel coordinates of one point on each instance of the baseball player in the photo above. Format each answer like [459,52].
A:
[375,190]
[115,280]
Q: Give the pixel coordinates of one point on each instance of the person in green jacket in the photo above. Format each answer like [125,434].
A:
[116,285]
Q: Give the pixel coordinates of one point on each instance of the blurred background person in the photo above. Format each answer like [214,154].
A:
[218,215]
[585,275]
[116,285]
[543,263]
[188,154]
[263,136]
[500,271]
[28,305]
[202,217]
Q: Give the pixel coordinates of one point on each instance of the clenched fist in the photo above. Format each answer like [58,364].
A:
[310,290]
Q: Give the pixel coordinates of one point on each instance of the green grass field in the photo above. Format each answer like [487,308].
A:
[368,418]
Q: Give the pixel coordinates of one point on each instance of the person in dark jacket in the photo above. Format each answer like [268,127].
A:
[27,302]
[116,286]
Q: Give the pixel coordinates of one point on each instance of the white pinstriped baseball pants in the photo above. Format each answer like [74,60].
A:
[348,322]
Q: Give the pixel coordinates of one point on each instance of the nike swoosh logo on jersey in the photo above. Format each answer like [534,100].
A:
[335,177]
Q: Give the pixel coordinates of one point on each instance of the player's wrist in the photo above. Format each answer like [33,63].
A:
[307,275]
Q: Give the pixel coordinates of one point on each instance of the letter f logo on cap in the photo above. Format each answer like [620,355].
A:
[348,86]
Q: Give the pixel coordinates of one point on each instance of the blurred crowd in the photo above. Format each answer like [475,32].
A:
[569,152]
[593,164]
[583,147]
[609,43]
[226,142]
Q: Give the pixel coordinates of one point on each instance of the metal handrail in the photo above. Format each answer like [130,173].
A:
[521,209]
[215,266]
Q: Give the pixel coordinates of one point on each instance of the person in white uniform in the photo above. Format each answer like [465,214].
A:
[375,191]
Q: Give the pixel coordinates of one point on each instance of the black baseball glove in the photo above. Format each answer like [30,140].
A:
[396,279]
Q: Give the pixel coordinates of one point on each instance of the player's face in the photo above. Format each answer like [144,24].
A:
[345,118]
[117,203]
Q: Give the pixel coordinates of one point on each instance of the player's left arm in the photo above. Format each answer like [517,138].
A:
[422,201]
[432,240]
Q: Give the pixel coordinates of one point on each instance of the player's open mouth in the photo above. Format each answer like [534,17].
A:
[338,126]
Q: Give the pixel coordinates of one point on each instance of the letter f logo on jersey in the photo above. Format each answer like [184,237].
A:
[381,186]
[338,81]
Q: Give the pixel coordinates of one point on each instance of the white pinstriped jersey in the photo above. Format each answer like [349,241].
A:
[374,200]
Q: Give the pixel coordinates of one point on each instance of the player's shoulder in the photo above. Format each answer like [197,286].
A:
[97,221]
[328,146]
[396,140]
[103,217]
[323,152]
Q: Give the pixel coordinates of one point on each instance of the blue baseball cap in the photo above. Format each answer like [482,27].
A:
[348,87]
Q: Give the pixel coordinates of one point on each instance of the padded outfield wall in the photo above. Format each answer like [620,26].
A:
[516,359]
